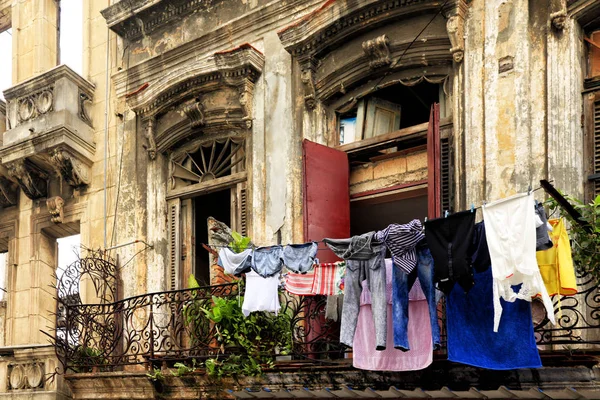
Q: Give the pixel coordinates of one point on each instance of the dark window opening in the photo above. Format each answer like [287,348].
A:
[387,110]
[377,213]
[218,206]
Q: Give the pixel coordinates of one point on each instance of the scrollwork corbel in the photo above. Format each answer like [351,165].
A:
[55,208]
[150,133]
[378,51]
[73,171]
[30,178]
[456,32]
[246,101]
[310,97]
[558,18]
[195,113]
[8,192]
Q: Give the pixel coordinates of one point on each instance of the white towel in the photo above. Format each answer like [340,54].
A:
[510,234]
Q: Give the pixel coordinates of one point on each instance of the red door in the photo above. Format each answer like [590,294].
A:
[326,195]
[326,215]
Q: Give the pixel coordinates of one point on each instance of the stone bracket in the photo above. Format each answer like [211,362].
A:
[55,208]
[30,178]
[8,192]
[378,51]
[71,167]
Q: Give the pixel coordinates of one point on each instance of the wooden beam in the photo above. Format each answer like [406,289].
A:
[564,203]
[199,189]
[392,137]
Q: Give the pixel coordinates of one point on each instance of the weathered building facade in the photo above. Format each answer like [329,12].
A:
[194,108]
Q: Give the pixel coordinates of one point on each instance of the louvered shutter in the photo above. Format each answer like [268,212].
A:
[174,210]
[596,149]
[243,211]
[445,174]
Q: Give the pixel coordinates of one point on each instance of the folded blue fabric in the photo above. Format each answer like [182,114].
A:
[266,261]
[470,322]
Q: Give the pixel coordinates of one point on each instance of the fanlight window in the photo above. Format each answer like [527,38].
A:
[208,161]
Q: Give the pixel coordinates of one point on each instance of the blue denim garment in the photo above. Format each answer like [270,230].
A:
[358,248]
[373,270]
[235,263]
[402,283]
[266,261]
[300,258]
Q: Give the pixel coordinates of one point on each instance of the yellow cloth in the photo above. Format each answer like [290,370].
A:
[556,263]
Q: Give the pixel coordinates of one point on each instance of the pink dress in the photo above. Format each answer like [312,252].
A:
[419,333]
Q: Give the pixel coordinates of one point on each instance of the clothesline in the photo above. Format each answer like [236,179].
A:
[473,208]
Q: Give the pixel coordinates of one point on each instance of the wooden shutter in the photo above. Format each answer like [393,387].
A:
[595,178]
[434,164]
[381,117]
[243,210]
[174,210]
[326,195]
[445,174]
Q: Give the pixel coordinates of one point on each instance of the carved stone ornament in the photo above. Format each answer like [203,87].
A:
[31,179]
[195,113]
[26,376]
[246,96]
[310,98]
[34,105]
[150,138]
[8,192]
[85,104]
[456,32]
[73,171]
[378,51]
[55,208]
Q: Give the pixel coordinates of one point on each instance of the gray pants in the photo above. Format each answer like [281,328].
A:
[373,270]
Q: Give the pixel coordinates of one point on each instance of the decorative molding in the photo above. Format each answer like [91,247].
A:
[246,101]
[195,113]
[132,19]
[308,83]
[150,129]
[36,104]
[26,376]
[378,51]
[8,192]
[85,104]
[234,67]
[456,32]
[30,178]
[73,170]
[55,208]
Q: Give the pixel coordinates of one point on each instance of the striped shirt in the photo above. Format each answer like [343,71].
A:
[402,240]
[327,279]
[300,284]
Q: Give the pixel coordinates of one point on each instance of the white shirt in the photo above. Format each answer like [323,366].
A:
[261,294]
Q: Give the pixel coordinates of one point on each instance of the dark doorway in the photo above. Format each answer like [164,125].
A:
[218,206]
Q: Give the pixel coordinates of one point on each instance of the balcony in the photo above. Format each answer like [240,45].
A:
[129,346]
[48,130]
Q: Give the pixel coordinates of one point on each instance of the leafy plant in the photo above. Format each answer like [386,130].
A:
[86,358]
[183,369]
[156,375]
[585,242]
[249,344]
[239,243]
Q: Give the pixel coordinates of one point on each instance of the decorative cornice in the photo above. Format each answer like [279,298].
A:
[134,18]
[40,82]
[228,68]
[249,27]
[335,21]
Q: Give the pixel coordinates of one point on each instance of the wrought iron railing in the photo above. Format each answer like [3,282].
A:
[172,326]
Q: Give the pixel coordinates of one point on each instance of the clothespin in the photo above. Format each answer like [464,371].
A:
[425,219]
[446,214]
[472,207]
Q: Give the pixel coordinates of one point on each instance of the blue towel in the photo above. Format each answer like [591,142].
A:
[470,322]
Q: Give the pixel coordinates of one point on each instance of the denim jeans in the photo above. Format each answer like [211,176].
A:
[402,283]
[373,270]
